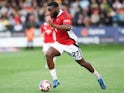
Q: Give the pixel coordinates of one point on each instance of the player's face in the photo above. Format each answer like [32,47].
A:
[53,11]
[47,18]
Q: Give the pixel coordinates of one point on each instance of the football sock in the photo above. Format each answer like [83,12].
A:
[53,74]
[96,74]
[54,59]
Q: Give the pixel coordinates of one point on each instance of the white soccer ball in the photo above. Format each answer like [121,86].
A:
[45,85]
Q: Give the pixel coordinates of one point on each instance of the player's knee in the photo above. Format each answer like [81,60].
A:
[49,55]
[81,62]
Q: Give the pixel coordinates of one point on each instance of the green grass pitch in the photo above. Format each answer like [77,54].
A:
[21,72]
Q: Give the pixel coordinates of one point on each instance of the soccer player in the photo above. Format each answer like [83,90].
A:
[47,34]
[62,22]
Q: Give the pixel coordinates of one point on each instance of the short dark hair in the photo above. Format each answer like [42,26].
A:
[55,4]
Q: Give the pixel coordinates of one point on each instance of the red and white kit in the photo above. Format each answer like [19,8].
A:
[66,40]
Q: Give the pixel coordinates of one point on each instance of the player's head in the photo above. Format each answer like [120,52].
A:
[53,8]
[47,17]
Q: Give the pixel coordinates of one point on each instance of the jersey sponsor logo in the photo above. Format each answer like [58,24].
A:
[48,31]
[66,21]
[45,28]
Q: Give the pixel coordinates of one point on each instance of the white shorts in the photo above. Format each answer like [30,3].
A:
[72,50]
[46,46]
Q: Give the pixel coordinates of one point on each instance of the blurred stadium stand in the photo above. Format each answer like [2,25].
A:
[94,21]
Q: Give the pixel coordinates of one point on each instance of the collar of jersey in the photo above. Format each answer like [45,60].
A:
[60,12]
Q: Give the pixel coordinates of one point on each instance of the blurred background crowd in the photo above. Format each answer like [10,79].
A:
[16,15]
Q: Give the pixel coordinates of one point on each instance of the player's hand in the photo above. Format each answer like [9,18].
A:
[50,23]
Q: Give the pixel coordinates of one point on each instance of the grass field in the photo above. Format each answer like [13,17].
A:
[21,72]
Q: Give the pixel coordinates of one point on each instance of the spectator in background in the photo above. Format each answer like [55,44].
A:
[73,8]
[106,5]
[30,29]
[4,16]
[84,4]
[121,16]
[87,22]
[4,23]
[113,15]
[8,9]
[29,32]
[116,4]
[105,18]
[2,26]
[17,23]
[31,20]
[103,15]
[95,17]
[78,17]
[66,2]
[41,11]
[122,4]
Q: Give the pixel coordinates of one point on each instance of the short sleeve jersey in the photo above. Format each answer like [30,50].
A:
[63,36]
[48,33]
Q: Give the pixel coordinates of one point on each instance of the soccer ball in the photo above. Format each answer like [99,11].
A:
[45,85]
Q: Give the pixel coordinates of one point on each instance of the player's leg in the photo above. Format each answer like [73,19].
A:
[88,66]
[85,64]
[31,44]
[45,49]
[27,47]
[51,53]
[54,60]
[75,52]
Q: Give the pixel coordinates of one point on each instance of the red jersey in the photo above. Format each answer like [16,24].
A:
[63,37]
[48,33]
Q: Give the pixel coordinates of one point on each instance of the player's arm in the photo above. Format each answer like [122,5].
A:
[65,27]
